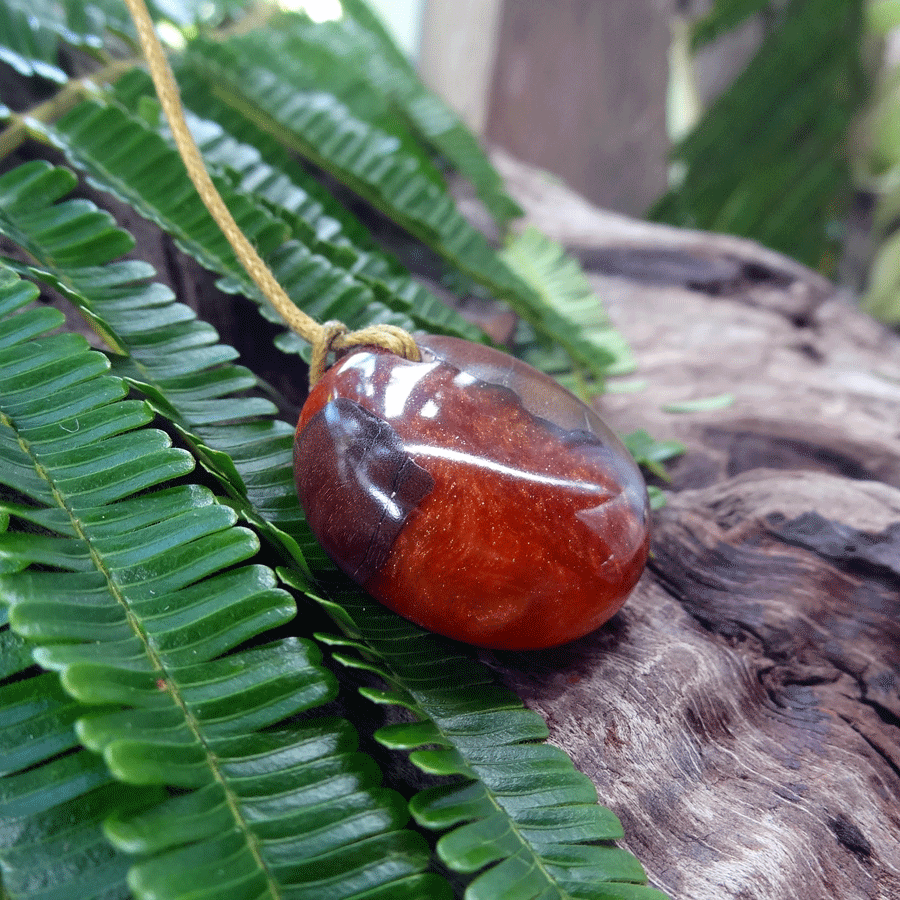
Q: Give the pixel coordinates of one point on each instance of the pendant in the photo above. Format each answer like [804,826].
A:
[472,494]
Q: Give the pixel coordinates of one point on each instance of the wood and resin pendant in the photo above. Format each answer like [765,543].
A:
[471,494]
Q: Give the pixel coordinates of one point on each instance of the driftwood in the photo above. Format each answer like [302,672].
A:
[742,713]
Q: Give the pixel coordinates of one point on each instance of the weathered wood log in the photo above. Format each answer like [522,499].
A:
[742,713]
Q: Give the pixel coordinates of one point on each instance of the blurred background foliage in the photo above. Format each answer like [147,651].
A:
[802,151]
[768,158]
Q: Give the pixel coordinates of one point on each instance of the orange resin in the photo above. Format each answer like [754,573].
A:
[471,494]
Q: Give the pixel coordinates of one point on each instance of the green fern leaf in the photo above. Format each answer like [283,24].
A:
[163,351]
[563,286]
[139,601]
[314,65]
[51,838]
[318,125]
[350,246]
[725,15]
[54,798]
[28,46]
[514,811]
[15,654]
[93,136]
[330,218]
[768,158]
[32,31]
[370,162]
[480,693]
[135,587]
[354,51]
[310,224]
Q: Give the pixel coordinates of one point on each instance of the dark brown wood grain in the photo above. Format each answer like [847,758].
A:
[742,712]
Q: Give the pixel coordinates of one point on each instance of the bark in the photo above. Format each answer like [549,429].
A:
[742,713]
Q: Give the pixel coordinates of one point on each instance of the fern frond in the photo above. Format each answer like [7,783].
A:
[29,46]
[162,350]
[18,190]
[768,159]
[15,654]
[559,280]
[314,64]
[53,796]
[318,126]
[323,129]
[157,739]
[52,843]
[432,118]
[33,31]
[725,16]
[322,210]
[359,48]
[493,721]
[308,221]
[140,602]
[479,693]
[95,137]
[79,24]
[515,812]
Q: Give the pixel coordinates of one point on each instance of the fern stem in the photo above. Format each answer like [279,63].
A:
[323,337]
[17,132]
[12,137]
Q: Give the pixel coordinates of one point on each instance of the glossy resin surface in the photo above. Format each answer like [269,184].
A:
[472,494]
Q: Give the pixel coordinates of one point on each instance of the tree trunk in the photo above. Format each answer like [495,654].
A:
[578,87]
[742,713]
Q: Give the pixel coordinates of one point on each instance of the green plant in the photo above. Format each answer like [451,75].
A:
[168,721]
[878,170]
[769,158]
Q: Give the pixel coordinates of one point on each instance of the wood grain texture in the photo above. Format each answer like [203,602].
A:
[742,712]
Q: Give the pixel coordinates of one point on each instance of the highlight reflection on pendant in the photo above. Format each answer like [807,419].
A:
[468,459]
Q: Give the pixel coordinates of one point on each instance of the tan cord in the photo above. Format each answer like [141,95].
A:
[323,338]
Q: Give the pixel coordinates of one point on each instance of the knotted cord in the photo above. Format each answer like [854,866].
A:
[331,336]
